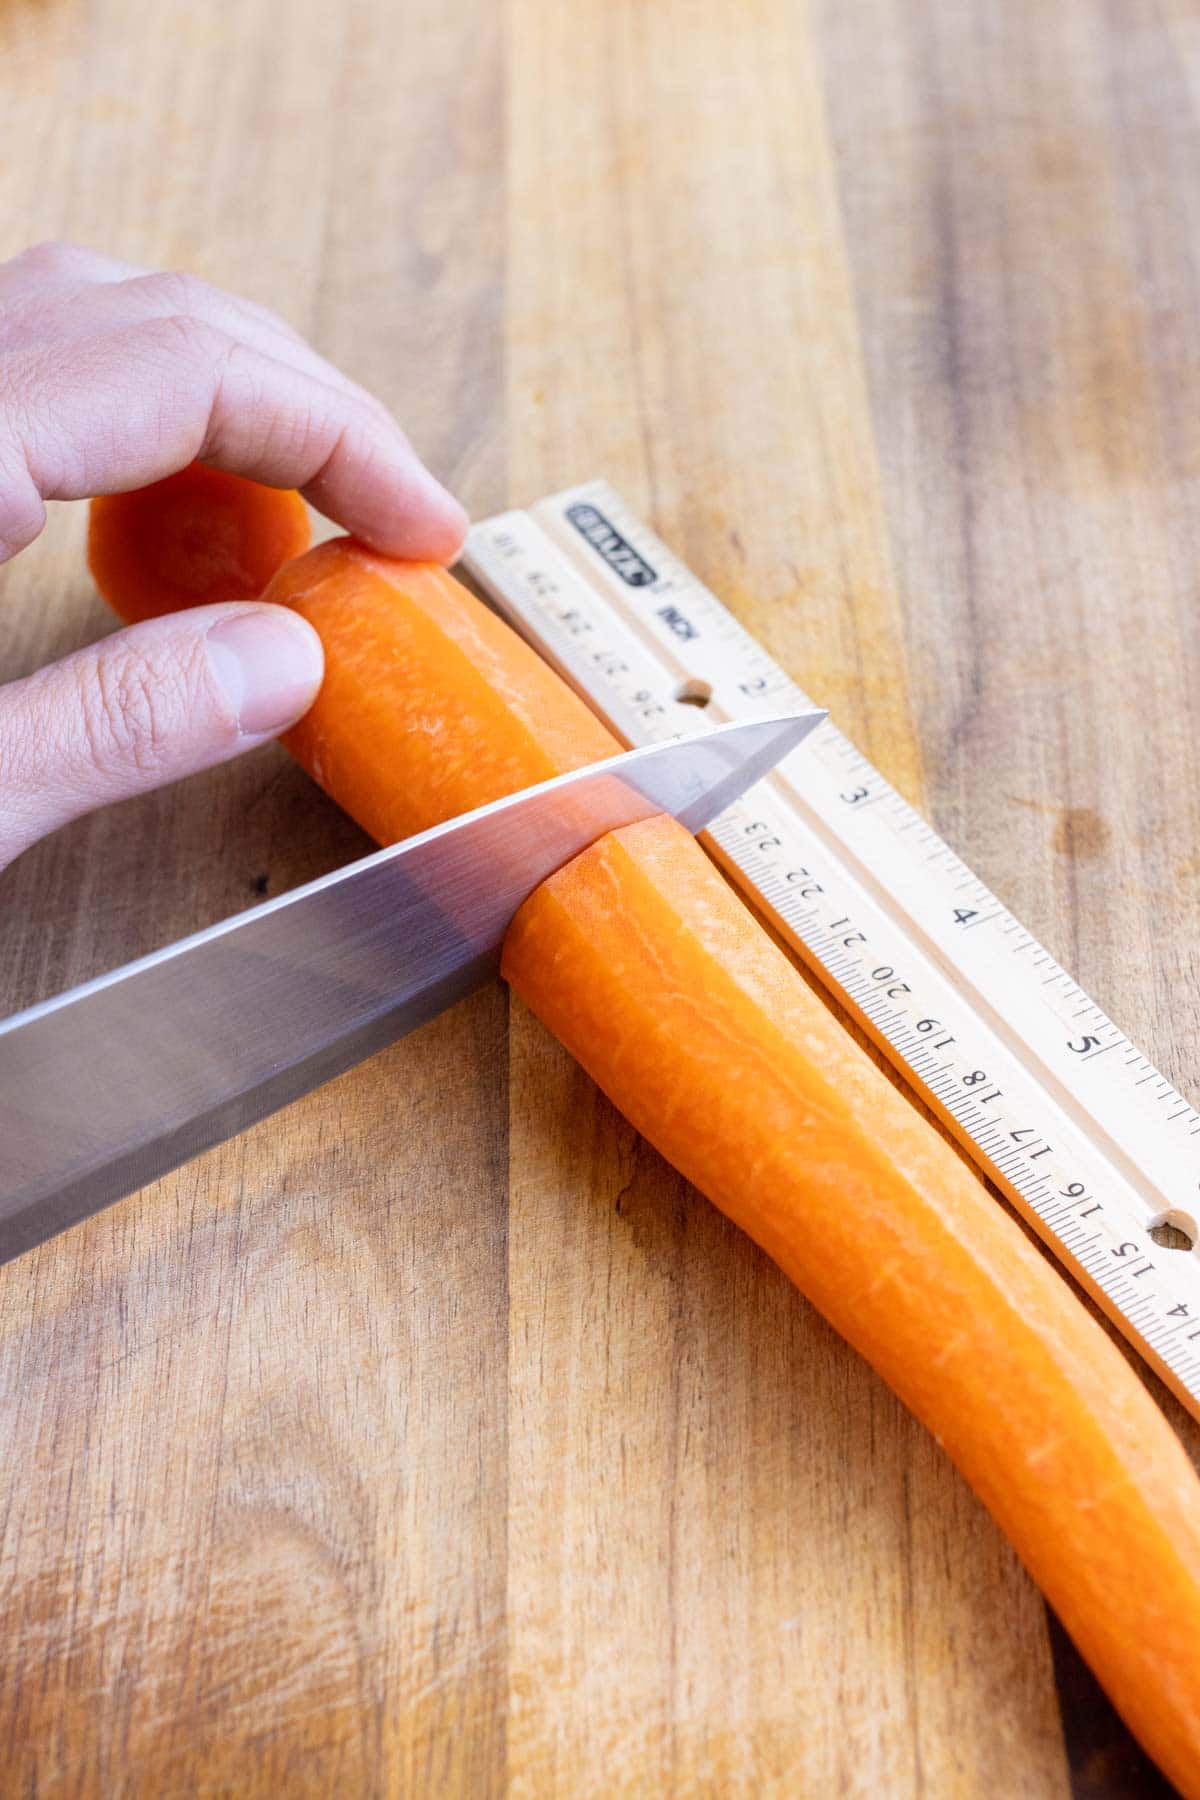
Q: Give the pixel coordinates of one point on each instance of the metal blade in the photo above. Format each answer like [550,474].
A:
[114,1083]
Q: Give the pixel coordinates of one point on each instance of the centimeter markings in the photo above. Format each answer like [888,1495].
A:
[1052,1101]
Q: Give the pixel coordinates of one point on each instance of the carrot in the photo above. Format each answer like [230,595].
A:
[646,966]
[430,704]
[198,536]
[656,978]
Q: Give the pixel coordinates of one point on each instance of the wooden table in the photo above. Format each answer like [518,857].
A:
[433,1436]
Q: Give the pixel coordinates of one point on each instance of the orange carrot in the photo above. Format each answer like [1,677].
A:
[652,973]
[430,704]
[657,979]
[196,537]
[649,969]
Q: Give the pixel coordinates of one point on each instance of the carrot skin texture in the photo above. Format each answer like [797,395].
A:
[194,538]
[639,958]
[430,704]
[660,983]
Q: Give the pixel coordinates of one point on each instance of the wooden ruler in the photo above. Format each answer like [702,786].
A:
[1091,1144]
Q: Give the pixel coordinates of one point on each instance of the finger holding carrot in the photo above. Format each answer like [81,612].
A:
[112,377]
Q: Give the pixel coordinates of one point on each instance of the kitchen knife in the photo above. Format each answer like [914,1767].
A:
[113,1083]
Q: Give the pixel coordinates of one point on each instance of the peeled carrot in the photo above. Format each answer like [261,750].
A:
[657,979]
[653,974]
[430,704]
[196,537]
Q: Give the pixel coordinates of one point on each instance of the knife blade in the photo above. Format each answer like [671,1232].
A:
[112,1084]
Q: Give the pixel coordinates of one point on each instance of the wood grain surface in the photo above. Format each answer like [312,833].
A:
[433,1437]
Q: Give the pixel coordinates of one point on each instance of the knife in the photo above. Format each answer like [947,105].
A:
[113,1083]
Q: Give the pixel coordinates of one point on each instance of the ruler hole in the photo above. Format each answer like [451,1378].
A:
[694,692]
[1174,1231]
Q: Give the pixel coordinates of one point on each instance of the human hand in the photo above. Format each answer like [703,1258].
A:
[110,378]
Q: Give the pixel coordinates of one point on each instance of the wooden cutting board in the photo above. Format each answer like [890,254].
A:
[433,1436]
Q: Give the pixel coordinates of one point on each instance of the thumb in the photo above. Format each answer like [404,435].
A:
[145,706]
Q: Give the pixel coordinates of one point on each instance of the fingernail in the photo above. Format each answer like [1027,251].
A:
[269,665]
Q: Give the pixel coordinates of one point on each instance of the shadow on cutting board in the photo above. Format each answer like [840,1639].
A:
[1104,1760]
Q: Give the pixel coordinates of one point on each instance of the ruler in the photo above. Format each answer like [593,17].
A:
[1088,1141]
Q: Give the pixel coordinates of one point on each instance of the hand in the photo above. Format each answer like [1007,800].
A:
[110,378]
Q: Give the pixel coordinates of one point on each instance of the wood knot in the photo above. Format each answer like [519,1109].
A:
[1080,833]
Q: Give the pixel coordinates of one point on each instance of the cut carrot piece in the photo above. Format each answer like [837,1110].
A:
[430,704]
[656,978]
[641,960]
[198,536]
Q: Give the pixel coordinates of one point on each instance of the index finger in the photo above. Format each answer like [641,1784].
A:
[127,407]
